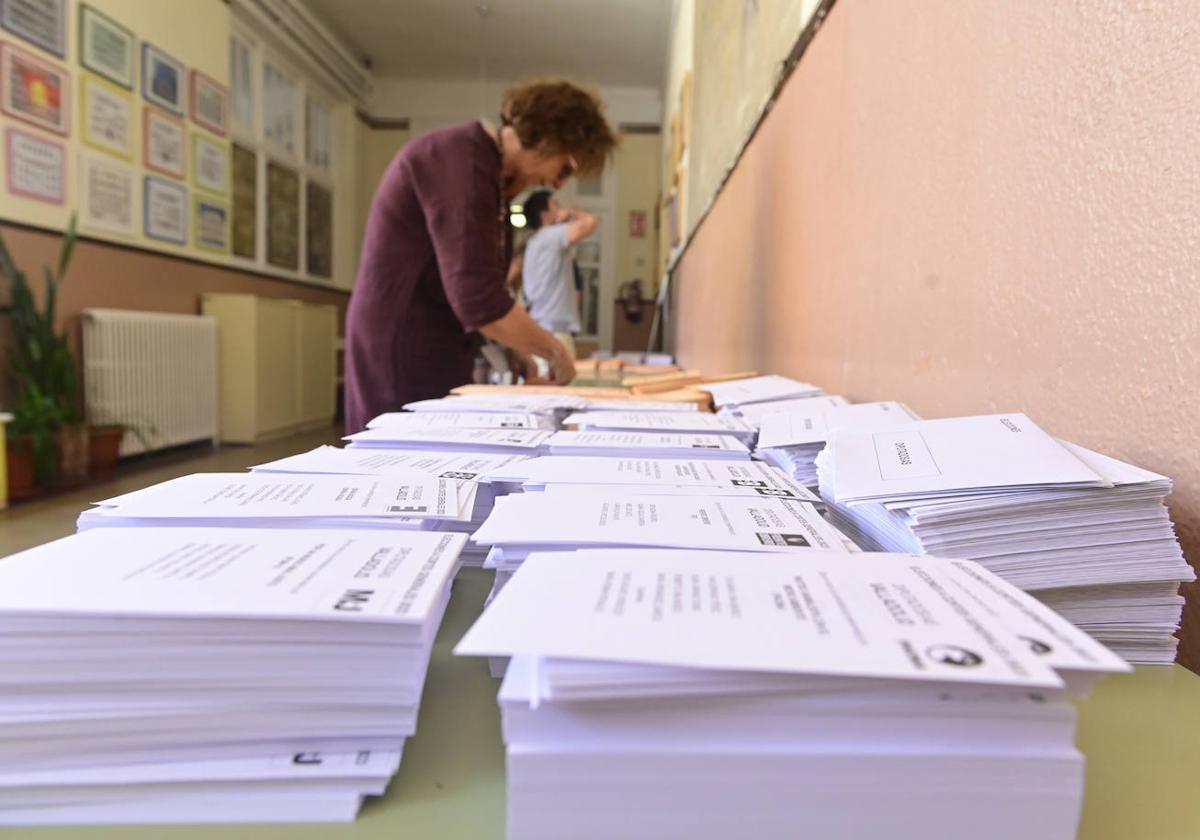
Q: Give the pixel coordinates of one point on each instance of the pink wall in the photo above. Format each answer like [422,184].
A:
[977,207]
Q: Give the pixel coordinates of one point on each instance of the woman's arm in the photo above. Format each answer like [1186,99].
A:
[523,334]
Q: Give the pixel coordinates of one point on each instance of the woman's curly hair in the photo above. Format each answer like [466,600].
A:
[555,116]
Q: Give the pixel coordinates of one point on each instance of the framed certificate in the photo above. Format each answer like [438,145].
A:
[107,192]
[42,23]
[163,143]
[211,222]
[283,216]
[245,202]
[107,117]
[210,104]
[162,79]
[106,47]
[210,164]
[165,210]
[37,168]
[34,90]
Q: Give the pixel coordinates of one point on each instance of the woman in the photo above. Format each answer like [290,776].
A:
[437,247]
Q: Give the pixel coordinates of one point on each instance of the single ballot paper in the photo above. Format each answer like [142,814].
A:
[648,445]
[870,616]
[235,573]
[459,420]
[812,424]
[661,421]
[952,455]
[526,441]
[393,462]
[758,389]
[218,496]
[747,478]
[759,524]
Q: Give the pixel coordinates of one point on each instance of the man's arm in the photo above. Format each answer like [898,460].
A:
[523,334]
[580,225]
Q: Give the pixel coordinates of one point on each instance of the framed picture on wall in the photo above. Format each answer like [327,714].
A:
[106,47]
[245,203]
[211,225]
[210,164]
[283,216]
[162,79]
[107,117]
[165,210]
[37,168]
[42,23]
[163,143]
[34,90]
[106,194]
[210,104]
[318,213]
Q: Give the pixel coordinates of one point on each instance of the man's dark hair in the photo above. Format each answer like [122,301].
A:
[537,204]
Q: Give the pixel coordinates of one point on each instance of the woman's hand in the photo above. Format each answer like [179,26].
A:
[562,365]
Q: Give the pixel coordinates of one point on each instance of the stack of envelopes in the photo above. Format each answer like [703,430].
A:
[1087,534]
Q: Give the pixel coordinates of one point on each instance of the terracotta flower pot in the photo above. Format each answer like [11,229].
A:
[103,447]
[21,482]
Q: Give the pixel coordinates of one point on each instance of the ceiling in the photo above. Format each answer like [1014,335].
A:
[602,42]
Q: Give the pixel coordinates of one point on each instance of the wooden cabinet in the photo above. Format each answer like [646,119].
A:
[276,365]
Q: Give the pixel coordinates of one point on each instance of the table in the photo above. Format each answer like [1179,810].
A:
[1140,732]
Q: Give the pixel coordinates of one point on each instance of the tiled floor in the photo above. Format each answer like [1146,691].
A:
[32,523]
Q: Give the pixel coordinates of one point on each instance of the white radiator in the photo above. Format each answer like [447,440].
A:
[154,373]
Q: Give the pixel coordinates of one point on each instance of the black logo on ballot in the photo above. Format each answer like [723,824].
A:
[762,489]
[958,657]
[793,540]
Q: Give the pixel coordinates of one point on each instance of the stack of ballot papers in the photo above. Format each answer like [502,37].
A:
[452,466]
[753,414]
[512,441]
[819,695]
[1085,533]
[792,440]
[647,445]
[199,675]
[758,389]
[673,422]
[461,420]
[666,476]
[292,500]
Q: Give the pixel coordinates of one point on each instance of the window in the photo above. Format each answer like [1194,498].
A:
[283,153]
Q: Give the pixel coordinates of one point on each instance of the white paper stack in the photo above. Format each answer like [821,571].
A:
[452,466]
[671,422]
[753,414]
[213,675]
[1086,533]
[793,439]
[758,389]
[461,420]
[723,695]
[288,501]
[647,445]
[692,477]
[491,441]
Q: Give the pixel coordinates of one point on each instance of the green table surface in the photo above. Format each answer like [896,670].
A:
[1140,732]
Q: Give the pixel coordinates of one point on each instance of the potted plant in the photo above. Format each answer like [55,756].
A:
[46,425]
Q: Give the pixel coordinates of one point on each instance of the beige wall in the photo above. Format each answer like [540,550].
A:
[637,170]
[980,207]
[379,146]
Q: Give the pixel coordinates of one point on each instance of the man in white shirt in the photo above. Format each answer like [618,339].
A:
[548,274]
